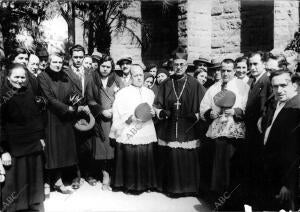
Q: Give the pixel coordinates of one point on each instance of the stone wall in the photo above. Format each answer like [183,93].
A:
[218,28]
[286,22]
[226,29]
[194,27]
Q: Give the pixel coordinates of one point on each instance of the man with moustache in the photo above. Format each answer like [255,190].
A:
[124,75]
[177,106]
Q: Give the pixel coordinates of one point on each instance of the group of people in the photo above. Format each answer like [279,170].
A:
[206,130]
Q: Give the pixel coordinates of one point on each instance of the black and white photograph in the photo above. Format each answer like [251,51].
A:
[149,105]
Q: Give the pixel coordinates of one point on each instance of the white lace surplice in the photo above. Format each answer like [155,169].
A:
[226,126]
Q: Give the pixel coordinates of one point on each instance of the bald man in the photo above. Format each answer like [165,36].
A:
[135,139]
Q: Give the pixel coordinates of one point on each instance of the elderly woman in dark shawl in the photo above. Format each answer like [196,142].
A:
[22,142]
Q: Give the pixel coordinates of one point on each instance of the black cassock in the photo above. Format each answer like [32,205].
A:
[184,117]
[178,167]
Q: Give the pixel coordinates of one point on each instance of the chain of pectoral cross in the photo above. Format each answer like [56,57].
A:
[177,104]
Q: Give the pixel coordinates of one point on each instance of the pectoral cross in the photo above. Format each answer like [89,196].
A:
[177,104]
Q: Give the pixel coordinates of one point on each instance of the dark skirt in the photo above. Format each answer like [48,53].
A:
[23,187]
[60,149]
[178,170]
[134,167]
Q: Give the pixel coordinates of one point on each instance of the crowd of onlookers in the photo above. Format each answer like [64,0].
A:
[209,129]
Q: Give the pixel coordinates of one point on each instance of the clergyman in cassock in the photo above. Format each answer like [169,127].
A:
[135,137]
[223,106]
[177,106]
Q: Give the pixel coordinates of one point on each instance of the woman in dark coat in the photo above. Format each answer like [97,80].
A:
[101,95]
[22,142]
[60,150]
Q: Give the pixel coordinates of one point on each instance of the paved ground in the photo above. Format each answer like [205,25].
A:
[93,199]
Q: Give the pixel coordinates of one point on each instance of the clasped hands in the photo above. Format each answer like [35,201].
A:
[214,113]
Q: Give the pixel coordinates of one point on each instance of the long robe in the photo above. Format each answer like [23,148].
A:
[178,164]
[190,104]
[135,142]
[60,140]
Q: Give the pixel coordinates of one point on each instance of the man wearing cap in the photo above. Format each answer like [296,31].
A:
[223,106]
[213,74]
[202,62]
[134,136]
[177,106]
[96,57]
[43,57]
[125,63]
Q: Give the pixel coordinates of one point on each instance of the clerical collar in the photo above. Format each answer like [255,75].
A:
[177,77]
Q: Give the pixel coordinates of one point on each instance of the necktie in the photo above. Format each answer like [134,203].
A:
[253,82]
[224,86]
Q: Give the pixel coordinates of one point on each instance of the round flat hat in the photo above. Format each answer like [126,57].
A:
[143,112]
[85,124]
[225,99]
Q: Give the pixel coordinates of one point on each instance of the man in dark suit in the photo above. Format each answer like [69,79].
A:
[280,158]
[260,90]
[80,78]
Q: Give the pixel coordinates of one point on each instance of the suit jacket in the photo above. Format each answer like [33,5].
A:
[257,97]
[280,153]
[76,80]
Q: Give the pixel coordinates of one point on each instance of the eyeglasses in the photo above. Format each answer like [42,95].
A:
[228,71]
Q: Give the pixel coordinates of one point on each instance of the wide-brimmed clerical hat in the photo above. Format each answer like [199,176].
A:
[215,64]
[225,99]
[202,59]
[143,112]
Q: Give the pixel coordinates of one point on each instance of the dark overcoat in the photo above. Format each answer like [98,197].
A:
[60,147]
